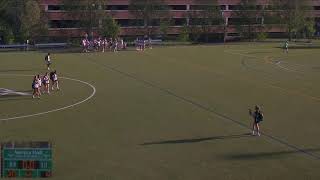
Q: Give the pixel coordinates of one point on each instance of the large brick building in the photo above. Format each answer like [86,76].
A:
[61,24]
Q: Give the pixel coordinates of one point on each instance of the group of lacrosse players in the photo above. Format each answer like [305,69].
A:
[141,44]
[103,44]
[43,84]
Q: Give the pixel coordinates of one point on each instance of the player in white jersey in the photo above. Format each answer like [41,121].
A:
[35,88]
[46,83]
[85,45]
[39,81]
[99,43]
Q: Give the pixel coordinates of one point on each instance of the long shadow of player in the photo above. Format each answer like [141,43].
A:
[197,140]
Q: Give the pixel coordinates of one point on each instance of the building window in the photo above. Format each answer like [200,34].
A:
[123,22]
[64,24]
[239,21]
[223,7]
[178,7]
[179,21]
[233,34]
[204,21]
[316,7]
[205,7]
[116,7]
[136,22]
[259,7]
[234,7]
[55,7]
[129,22]
[154,22]
[271,20]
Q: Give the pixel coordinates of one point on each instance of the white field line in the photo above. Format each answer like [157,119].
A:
[53,110]
[276,87]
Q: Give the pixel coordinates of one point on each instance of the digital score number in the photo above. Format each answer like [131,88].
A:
[26,159]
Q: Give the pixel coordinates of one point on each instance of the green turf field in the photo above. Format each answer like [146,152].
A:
[174,113]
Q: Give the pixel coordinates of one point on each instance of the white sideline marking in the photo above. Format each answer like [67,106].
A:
[53,110]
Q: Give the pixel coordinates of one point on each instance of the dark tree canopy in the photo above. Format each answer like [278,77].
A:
[202,20]
[293,14]
[21,20]
[248,18]
[88,13]
[152,12]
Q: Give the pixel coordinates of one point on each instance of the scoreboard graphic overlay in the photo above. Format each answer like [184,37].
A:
[26,159]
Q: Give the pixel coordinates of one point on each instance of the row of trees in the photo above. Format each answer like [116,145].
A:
[251,18]
[152,17]
[21,20]
[24,19]
[92,17]
[291,15]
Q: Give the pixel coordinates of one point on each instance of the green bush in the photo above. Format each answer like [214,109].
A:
[184,35]
[262,36]
[8,36]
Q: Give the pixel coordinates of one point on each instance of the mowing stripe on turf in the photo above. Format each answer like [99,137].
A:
[203,107]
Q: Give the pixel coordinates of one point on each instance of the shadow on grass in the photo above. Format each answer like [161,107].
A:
[197,140]
[269,155]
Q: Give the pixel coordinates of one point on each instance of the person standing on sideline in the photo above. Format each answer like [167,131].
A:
[27,44]
[286,47]
[257,116]
[47,59]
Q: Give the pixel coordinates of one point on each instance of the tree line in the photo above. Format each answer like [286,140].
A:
[21,20]
[250,18]
[24,19]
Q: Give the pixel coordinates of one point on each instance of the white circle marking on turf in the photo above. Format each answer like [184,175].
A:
[271,85]
[53,110]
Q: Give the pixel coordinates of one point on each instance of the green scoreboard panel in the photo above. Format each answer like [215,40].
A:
[26,159]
